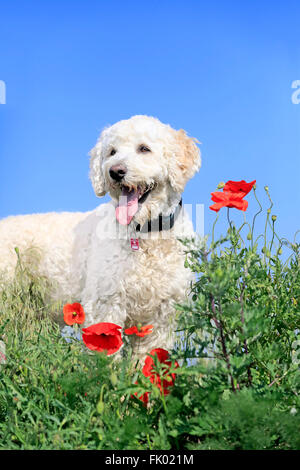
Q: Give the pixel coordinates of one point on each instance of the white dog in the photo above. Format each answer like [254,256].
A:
[123,261]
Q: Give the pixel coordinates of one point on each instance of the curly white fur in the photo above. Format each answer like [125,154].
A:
[89,256]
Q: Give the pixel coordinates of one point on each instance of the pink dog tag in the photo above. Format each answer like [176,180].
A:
[134,242]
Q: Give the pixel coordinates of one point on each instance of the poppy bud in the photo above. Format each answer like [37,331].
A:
[254,186]
[266,188]
[269,211]
[274,217]
[221,185]
[114,379]
[249,236]
[280,251]
[100,407]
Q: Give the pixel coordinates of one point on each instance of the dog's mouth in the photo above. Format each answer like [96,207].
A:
[130,199]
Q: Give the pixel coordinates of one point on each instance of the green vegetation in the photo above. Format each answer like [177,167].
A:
[237,387]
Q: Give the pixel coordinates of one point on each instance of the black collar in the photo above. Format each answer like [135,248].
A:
[163,222]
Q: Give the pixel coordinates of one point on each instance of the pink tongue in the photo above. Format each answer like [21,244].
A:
[128,206]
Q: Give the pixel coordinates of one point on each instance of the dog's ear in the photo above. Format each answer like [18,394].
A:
[96,173]
[184,160]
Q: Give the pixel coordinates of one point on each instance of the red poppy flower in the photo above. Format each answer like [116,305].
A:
[143,331]
[168,380]
[228,199]
[144,397]
[239,186]
[73,313]
[103,337]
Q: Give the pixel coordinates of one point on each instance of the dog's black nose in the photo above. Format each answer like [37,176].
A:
[117,172]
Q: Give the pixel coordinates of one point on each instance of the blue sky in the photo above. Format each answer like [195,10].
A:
[221,70]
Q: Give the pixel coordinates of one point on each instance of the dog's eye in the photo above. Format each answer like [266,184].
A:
[112,152]
[143,148]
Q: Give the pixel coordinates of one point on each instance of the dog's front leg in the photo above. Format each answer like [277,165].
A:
[105,309]
[163,335]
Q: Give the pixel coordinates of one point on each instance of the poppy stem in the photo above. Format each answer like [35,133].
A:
[164,401]
[224,348]
[213,232]
[273,234]
[278,238]
[266,224]
[220,327]
[243,224]
[243,322]
[229,221]
[253,221]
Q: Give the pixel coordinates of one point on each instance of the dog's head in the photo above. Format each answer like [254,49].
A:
[144,165]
